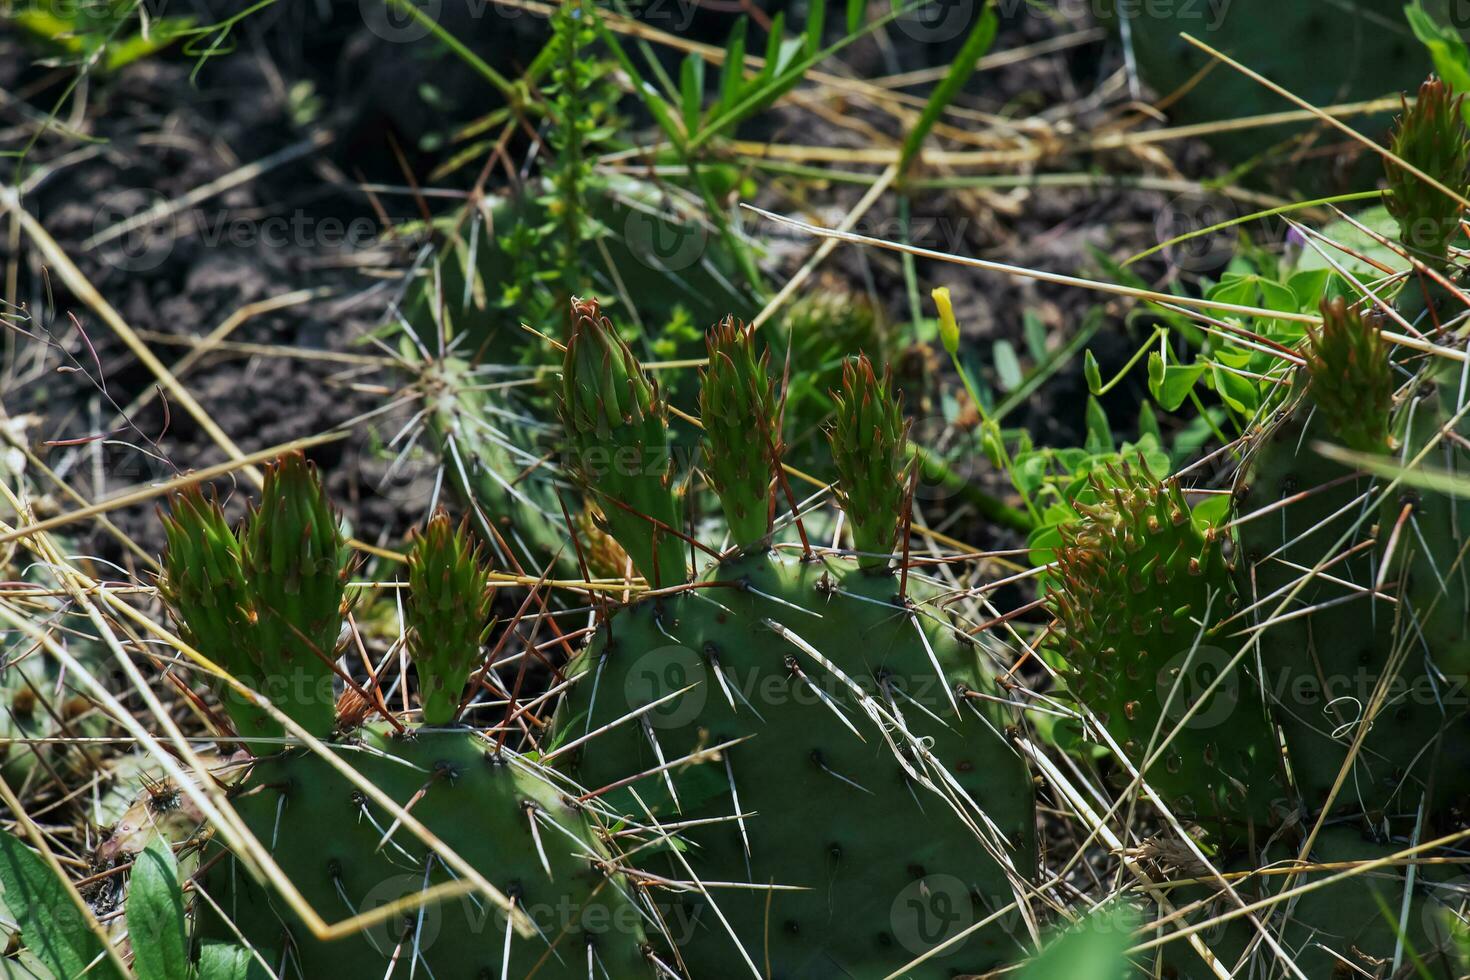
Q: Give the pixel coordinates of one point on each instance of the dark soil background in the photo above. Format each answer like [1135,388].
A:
[305,71]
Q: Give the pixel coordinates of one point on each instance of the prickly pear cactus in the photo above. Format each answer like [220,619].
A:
[783,713]
[349,856]
[1430,137]
[1141,597]
[265,603]
[1367,43]
[489,446]
[1348,928]
[345,852]
[1305,569]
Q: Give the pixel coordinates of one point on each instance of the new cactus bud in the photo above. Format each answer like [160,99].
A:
[1351,379]
[295,561]
[618,441]
[1430,136]
[870,449]
[447,612]
[203,585]
[738,408]
[1139,596]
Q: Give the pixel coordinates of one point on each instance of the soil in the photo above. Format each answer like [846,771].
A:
[159,130]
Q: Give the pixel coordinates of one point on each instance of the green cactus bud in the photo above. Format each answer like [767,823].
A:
[618,438]
[738,408]
[1139,593]
[295,562]
[447,612]
[1351,379]
[204,586]
[870,448]
[1430,136]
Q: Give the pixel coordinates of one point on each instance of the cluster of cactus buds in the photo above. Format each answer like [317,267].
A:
[265,604]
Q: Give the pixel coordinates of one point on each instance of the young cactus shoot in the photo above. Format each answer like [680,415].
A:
[738,409]
[618,443]
[448,614]
[870,448]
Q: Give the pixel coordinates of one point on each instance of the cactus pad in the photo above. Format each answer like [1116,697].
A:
[346,855]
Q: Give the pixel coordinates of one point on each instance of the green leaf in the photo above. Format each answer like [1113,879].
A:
[1099,432]
[1148,424]
[732,77]
[1008,373]
[856,10]
[816,20]
[1035,333]
[1091,371]
[156,915]
[52,925]
[1446,48]
[221,961]
[1237,392]
[982,36]
[1170,384]
[691,85]
[1094,949]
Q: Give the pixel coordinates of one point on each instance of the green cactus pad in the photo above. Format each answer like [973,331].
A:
[885,868]
[447,612]
[869,447]
[738,409]
[1346,929]
[1332,648]
[618,441]
[497,812]
[495,457]
[1141,592]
